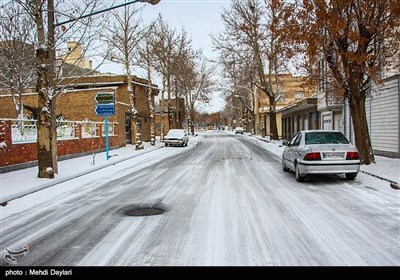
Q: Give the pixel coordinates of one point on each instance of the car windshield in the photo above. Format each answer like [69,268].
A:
[325,137]
[175,133]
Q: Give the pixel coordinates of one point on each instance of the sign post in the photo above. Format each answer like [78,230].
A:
[106,128]
[105,106]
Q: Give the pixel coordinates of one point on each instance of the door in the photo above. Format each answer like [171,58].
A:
[294,149]
[327,121]
[338,122]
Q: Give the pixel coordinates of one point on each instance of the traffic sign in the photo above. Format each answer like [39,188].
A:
[105,110]
[105,106]
[104,97]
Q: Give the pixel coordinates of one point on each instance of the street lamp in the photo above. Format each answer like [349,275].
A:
[152,2]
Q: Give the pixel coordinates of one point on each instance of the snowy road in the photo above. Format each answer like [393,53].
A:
[228,203]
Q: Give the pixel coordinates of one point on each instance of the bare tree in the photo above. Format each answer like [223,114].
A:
[201,85]
[175,62]
[44,14]
[164,49]
[355,38]
[17,54]
[239,74]
[183,56]
[184,82]
[123,38]
[251,31]
[145,60]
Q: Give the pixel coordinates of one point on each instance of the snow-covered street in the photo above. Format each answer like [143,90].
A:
[227,202]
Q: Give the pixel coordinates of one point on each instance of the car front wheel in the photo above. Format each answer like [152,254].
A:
[299,177]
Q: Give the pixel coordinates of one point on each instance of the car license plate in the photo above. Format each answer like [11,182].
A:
[333,155]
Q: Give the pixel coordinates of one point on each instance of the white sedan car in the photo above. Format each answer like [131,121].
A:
[239,130]
[176,137]
[320,152]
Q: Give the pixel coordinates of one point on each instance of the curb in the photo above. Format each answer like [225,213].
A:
[393,184]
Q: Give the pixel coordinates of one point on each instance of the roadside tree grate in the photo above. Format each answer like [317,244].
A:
[144,210]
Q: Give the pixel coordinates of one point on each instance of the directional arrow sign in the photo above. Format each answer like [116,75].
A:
[105,110]
[104,97]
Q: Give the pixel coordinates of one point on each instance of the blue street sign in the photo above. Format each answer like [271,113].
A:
[105,109]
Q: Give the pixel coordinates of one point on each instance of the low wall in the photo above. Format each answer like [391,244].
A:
[18,153]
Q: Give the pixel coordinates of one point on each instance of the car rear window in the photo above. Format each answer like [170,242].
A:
[325,138]
[176,133]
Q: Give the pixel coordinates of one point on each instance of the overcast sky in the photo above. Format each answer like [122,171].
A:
[199,18]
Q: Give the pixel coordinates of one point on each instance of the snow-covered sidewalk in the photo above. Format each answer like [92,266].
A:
[18,183]
[21,182]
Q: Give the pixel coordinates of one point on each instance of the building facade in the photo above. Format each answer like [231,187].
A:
[300,115]
[381,105]
[290,89]
[383,117]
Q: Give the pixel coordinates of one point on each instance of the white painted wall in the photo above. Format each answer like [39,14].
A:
[383,116]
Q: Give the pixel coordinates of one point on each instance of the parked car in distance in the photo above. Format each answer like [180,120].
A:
[239,130]
[320,152]
[176,137]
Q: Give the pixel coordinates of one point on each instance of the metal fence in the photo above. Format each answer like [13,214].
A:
[25,130]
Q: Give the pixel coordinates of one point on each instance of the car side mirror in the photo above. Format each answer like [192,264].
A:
[285,143]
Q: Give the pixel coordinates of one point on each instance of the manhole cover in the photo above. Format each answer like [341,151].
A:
[144,210]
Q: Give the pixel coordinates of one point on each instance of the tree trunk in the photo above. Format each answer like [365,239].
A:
[162,112]
[192,118]
[361,132]
[272,119]
[44,146]
[132,100]
[45,160]
[170,114]
[52,86]
[150,99]
[187,115]
[176,120]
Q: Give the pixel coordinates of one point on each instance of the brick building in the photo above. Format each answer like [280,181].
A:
[77,103]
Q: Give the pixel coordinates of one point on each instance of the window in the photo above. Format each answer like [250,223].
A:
[297,141]
[327,137]
[299,95]
[293,140]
